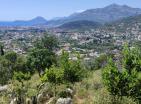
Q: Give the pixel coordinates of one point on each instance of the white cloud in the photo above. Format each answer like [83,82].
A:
[80,11]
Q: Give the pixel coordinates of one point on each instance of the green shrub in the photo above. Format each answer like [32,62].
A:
[124,81]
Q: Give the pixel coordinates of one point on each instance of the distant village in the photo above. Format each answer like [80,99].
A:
[20,39]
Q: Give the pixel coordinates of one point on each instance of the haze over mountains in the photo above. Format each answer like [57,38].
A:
[36,21]
[107,14]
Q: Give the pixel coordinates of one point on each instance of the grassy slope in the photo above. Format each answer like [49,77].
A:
[89,91]
[92,91]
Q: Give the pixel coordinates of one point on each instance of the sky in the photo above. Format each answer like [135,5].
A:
[27,9]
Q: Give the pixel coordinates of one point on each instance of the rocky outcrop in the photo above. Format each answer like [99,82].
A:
[3,88]
[70,91]
[64,101]
[42,98]
[28,101]
[13,101]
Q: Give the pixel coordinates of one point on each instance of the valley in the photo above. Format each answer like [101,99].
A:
[88,57]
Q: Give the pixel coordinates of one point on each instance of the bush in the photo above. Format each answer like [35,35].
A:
[73,70]
[126,80]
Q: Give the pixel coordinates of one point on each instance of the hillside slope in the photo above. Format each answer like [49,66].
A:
[79,25]
[107,14]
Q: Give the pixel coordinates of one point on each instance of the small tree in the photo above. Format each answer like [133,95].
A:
[47,42]
[1,49]
[11,58]
[126,80]
[7,63]
[116,82]
[39,59]
[73,70]
[43,55]
[54,76]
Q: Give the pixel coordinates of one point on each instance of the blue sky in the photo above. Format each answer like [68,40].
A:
[28,9]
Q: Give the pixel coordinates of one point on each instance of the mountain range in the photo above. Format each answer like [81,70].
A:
[104,15]
[34,22]
[107,14]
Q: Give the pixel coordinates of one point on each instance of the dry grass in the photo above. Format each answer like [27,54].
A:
[92,91]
